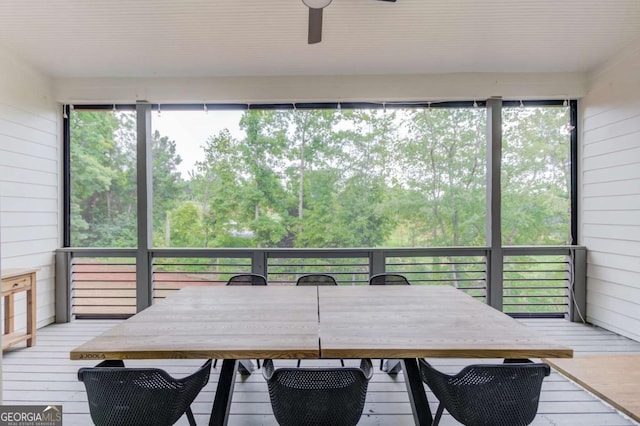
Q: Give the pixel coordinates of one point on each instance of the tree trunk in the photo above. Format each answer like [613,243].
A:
[167,230]
[301,183]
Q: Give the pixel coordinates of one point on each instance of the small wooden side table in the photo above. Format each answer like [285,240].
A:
[16,281]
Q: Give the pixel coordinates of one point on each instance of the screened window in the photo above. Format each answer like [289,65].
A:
[331,177]
[103,179]
[319,177]
[536,179]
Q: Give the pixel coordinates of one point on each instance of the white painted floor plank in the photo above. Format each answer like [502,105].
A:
[44,374]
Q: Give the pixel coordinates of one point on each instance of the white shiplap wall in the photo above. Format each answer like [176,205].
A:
[30,141]
[610,213]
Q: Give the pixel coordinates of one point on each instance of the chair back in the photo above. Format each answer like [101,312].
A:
[247,279]
[497,394]
[316,279]
[318,396]
[120,396]
[388,279]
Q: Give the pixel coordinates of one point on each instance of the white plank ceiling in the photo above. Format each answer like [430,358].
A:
[188,38]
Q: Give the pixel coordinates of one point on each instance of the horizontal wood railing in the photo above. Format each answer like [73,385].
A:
[537,281]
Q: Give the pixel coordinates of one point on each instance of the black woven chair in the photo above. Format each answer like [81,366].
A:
[247,279]
[120,396]
[318,396]
[388,279]
[316,279]
[488,394]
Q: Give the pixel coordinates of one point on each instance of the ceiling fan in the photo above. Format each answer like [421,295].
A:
[315,18]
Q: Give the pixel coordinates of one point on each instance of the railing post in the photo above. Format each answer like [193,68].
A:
[578,285]
[259,263]
[377,262]
[487,275]
[63,287]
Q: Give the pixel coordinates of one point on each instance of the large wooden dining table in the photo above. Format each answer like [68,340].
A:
[279,322]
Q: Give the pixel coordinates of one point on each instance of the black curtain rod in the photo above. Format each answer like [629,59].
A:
[315,105]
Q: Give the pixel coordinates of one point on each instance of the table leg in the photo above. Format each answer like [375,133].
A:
[8,314]
[392,366]
[245,367]
[31,312]
[417,396]
[224,393]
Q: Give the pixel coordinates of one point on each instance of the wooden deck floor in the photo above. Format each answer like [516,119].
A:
[44,374]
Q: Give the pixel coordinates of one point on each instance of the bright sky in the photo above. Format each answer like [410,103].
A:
[190,130]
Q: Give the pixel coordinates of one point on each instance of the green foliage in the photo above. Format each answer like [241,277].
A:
[442,161]
[186,226]
[168,186]
[103,195]
[261,157]
[216,186]
[326,178]
[536,176]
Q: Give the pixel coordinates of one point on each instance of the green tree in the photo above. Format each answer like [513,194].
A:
[443,169]
[327,178]
[320,226]
[263,198]
[103,194]
[535,176]
[186,226]
[217,185]
[168,186]
[366,144]
[311,149]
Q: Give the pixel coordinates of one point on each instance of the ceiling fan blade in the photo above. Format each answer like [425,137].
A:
[315,25]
